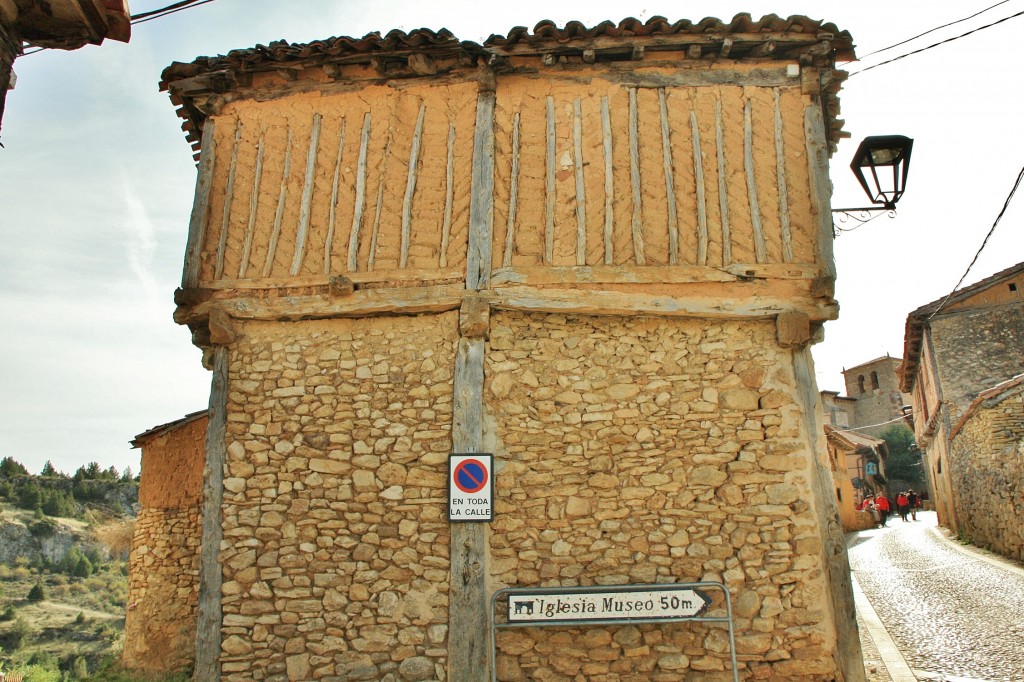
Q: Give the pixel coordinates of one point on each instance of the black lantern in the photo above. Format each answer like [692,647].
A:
[881,164]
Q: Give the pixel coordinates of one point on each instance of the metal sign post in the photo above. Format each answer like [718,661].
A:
[608,605]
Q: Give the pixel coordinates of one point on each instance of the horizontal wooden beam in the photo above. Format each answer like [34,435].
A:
[654,275]
[364,279]
[573,301]
[680,41]
[361,303]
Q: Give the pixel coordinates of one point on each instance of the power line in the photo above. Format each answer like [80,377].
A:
[984,242]
[932,30]
[941,42]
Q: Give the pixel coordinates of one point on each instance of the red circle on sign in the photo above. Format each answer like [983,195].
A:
[470,476]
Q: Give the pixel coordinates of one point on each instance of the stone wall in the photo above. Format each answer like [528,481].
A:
[655,450]
[336,558]
[160,625]
[977,349]
[986,465]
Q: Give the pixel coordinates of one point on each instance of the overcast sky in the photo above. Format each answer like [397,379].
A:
[96,185]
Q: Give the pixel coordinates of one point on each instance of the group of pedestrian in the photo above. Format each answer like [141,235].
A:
[907,504]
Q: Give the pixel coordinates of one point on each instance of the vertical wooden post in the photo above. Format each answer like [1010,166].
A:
[228,196]
[821,185]
[208,620]
[468,639]
[780,171]
[760,252]
[723,185]
[306,203]
[200,208]
[254,200]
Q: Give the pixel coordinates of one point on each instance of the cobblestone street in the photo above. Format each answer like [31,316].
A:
[931,609]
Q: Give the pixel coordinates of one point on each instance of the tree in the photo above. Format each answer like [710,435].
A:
[10,467]
[37,593]
[48,469]
[903,467]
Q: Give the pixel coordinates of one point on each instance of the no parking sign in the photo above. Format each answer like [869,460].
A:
[470,487]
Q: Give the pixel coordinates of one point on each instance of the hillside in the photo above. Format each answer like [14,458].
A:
[64,544]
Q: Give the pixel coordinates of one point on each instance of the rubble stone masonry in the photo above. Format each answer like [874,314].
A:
[160,625]
[336,542]
[987,470]
[654,450]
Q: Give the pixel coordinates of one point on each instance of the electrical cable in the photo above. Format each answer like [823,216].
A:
[871,426]
[984,242]
[941,42]
[931,30]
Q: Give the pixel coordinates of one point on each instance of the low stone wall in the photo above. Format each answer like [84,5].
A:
[986,465]
[160,625]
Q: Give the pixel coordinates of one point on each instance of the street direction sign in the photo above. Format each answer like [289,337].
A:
[470,487]
[582,604]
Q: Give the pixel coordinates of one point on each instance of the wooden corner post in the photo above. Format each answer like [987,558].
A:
[207,666]
[468,639]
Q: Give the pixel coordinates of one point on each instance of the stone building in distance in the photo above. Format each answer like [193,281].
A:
[598,253]
[956,348]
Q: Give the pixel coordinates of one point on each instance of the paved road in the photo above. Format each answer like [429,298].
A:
[952,613]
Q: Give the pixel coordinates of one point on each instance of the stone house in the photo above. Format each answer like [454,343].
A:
[163,581]
[56,24]
[986,469]
[599,254]
[955,348]
[858,472]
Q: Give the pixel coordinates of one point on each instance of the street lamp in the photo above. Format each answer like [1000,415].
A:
[881,164]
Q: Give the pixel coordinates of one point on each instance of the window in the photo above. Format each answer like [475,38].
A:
[874,380]
[860,383]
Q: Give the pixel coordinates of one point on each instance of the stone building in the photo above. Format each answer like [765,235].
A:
[873,400]
[986,467]
[955,348]
[56,24]
[599,253]
[163,584]
[858,472]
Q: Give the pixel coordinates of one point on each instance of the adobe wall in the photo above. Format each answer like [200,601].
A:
[655,450]
[163,589]
[986,465]
[334,505]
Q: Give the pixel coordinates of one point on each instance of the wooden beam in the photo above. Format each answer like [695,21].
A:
[654,275]
[200,208]
[581,197]
[760,250]
[741,303]
[513,198]
[780,171]
[329,241]
[549,183]
[362,303]
[670,184]
[449,198]
[723,184]
[365,280]
[360,199]
[282,196]
[209,614]
[821,186]
[410,187]
[701,191]
[229,193]
[371,258]
[481,198]
[307,196]
[254,200]
[634,173]
[468,637]
[609,182]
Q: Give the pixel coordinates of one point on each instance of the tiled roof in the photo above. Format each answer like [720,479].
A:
[140,439]
[769,38]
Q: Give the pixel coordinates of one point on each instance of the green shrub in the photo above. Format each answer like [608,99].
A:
[8,613]
[17,635]
[83,569]
[37,593]
[43,528]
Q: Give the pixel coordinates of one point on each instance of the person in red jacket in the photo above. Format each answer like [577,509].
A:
[903,505]
[883,506]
